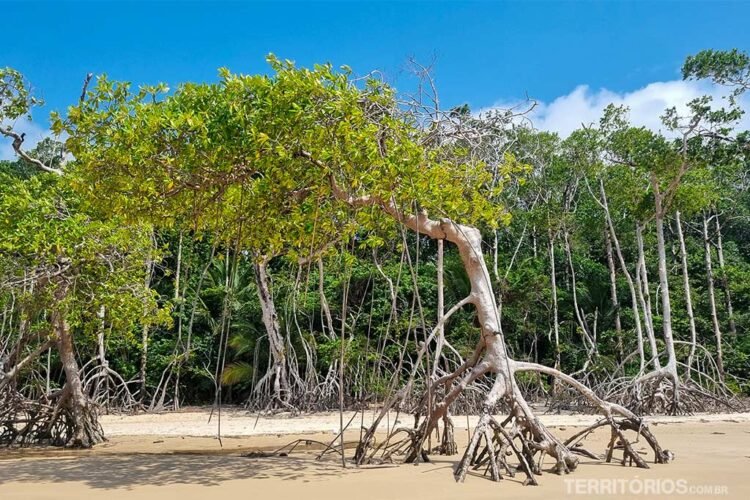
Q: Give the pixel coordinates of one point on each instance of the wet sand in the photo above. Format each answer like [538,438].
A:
[177,456]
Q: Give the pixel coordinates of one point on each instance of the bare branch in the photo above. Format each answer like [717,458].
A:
[18,142]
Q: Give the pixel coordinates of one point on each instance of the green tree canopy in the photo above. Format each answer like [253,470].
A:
[268,159]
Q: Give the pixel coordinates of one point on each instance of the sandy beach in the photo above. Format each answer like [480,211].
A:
[177,456]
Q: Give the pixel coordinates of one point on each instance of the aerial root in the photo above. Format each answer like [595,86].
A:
[25,422]
[663,391]
[290,447]
[489,446]
[521,438]
[618,441]
[448,444]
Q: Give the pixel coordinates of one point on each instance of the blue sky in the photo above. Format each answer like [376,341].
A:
[485,53]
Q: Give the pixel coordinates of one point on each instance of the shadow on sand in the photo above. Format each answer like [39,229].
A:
[130,470]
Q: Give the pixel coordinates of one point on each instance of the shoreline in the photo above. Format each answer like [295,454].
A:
[178,456]
[237,422]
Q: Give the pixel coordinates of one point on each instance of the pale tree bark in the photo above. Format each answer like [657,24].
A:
[179,298]
[588,341]
[515,252]
[644,295]
[16,145]
[324,303]
[172,369]
[724,280]
[72,420]
[688,298]
[178,270]
[344,307]
[448,443]
[712,298]
[495,256]
[144,362]
[495,359]
[671,367]
[440,306]
[555,312]
[490,357]
[281,388]
[613,293]
[145,328]
[103,377]
[621,258]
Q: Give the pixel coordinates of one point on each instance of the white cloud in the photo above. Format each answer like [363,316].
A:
[564,114]
[34,134]
[584,106]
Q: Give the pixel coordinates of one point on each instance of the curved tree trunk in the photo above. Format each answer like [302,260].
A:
[712,299]
[324,303]
[631,285]
[83,426]
[613,294]
[555,313]
[688,298]
[494,359]
[588,341]
[670,369]
[644,293]
[271,321]
[490,357]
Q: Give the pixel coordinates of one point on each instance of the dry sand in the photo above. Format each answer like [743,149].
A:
[177,456]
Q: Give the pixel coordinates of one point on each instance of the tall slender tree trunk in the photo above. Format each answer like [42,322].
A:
[440,306]
[555,313]
[588,341]
[495,256]
[724,280]
[178,270]
[179,298]
[644,291]
[103,377]
[144,362]
[194,306]
[671,367]
[613,294]
[628,277]
[342,388]
[145,331]
[712,298]
[275,339]
[448,443]
[324,302]
[688,293]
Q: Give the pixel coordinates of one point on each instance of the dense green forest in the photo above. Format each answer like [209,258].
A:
[279,241]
